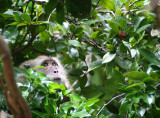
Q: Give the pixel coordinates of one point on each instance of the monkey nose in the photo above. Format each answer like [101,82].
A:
[55,71]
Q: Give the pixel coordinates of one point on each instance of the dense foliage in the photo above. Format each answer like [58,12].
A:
[110,49]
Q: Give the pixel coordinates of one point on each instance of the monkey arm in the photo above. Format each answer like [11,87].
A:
[16,103]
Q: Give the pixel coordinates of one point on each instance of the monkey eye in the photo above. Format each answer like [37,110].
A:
[54,64]
[45,64]
[26,66]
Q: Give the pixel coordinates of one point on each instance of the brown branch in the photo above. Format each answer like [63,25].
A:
[16,103]
[90,42]
[22,48]
[156,9]
[111,12]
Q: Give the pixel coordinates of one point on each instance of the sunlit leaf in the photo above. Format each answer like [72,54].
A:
[75,97]
[114,26]
[108,57]
[44,36]
[108,4]
[75,43]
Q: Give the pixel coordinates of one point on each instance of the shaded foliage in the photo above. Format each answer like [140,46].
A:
[109,43]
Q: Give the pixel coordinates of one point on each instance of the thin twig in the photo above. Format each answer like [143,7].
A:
[95,6]
[51,14]
[111,12]
[109,102]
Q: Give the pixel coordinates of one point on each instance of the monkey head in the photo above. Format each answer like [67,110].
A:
[52,68]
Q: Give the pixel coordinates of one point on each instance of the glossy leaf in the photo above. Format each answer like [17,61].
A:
[136,75]
[44,36]
[108,4]
[75,97]
[124,108]
[114,26]
[108,57]
[75,43]
[91,102]
[26,18]
[149,56]
[95,65]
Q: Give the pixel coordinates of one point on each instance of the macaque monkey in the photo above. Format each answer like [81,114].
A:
[53,68]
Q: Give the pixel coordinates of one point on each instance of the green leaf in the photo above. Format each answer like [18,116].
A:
[78,31]
[95,65]
[76,72]
[150,90]
[123,63]
[134,86]
[75,97]
[60,13]
[143,28]
[94,34]
[62,28]
[73,53]
[149,56]
[17,17]
[127,4]
[148,80]
[75,43]
[108,57]
[26,18]
[149,99]
[118,76]
[79,8]
[134,67]
[113,26]
[65,106]
[50,6]
[41,28]
[137,22]
[53,86]
[49,108]
[44,36]
[108,4]
[122,22]
[141,111]
[81,114]
[110,47]
[124,108]
[91,92]
[91,102]
[51,29]
[136,75]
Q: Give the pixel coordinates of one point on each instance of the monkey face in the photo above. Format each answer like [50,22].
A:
[51,70]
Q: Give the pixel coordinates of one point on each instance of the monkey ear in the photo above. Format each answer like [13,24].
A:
[26,66]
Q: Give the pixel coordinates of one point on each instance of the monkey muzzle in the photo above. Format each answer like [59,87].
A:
[57,80]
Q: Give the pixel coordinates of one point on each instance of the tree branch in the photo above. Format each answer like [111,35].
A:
[29,44]
[109,102]
[16,103]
